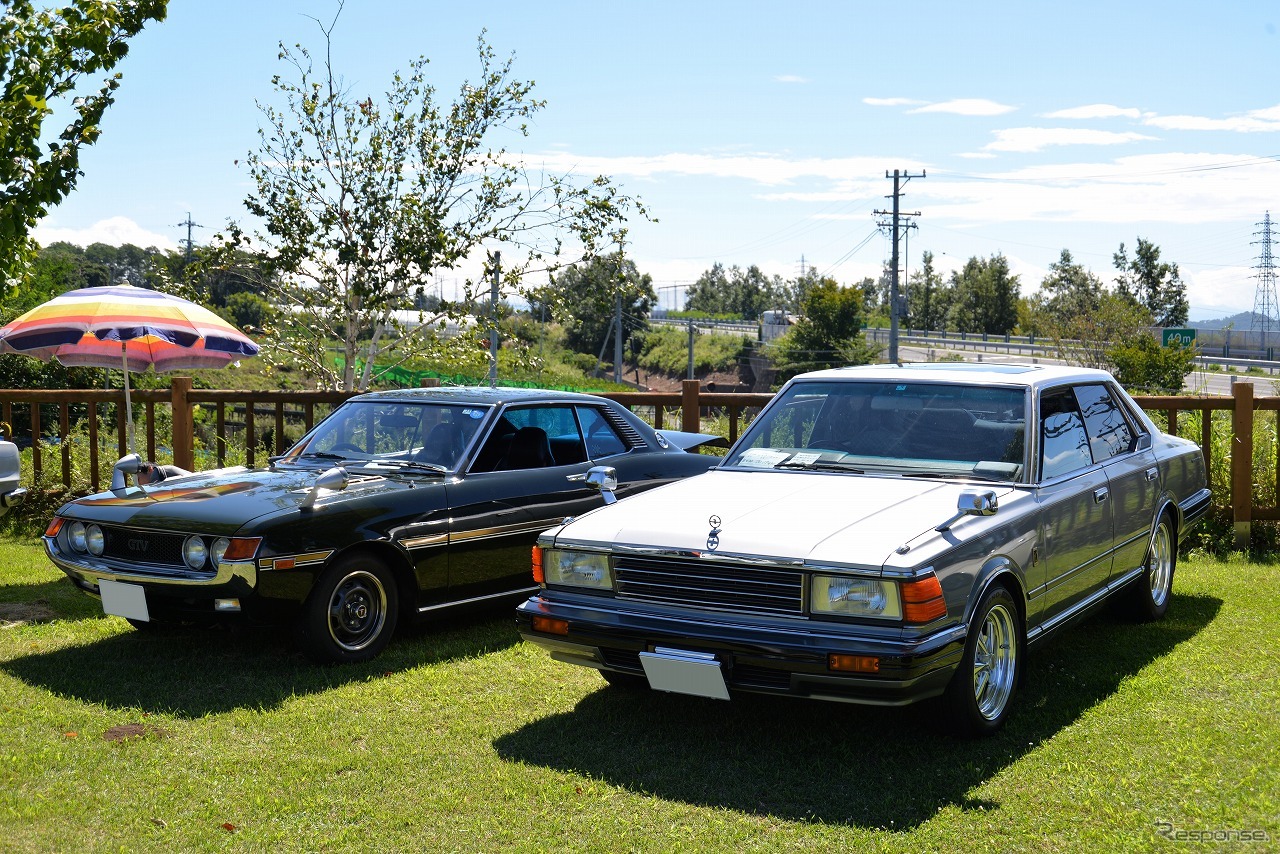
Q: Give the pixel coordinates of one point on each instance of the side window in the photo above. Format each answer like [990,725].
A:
[1109,433]
[1064,445]
[602,439]
[533,437]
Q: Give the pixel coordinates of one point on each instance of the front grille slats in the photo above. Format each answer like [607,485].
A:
[730,587]
[144,548]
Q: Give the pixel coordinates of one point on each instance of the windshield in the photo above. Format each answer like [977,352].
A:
[911,428]
[403,434]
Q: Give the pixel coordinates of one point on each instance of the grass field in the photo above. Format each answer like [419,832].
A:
[463,738]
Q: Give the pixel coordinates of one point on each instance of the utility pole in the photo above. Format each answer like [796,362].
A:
[493,320]
[895,309]
[189,225]
[617,317]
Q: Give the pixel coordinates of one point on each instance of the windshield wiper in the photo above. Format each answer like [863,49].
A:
[950,475]
[818,465]
[320,455]
[413,464]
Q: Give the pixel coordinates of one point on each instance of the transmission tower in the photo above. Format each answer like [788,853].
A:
[1264,298]
[189,225]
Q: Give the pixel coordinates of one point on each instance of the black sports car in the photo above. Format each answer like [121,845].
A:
[398,505]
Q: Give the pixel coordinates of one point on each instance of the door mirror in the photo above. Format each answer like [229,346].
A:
[603,479]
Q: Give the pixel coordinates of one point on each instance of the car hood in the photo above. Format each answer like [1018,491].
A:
[221,501]
[828,519]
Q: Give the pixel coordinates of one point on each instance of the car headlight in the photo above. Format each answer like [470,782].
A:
[853,596]
[75,536]
[94,541]
[219,549]
[194,552]
[577,569]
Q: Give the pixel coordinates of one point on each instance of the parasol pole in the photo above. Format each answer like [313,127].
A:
[128,404]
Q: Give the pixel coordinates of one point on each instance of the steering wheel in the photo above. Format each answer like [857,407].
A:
[346,448]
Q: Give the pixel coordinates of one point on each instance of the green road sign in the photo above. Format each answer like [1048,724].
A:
[1181,337]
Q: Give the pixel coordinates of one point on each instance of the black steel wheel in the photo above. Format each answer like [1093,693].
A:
[351,613]
[981,691]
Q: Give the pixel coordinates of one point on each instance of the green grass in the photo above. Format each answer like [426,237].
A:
[461,737]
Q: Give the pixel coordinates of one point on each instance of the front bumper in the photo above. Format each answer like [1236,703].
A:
[753,656]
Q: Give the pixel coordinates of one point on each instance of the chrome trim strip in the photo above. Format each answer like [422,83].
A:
[505,530]
[91,573]
[305,559]
[522,591]
[421,542]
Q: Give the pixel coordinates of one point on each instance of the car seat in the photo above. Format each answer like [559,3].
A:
[530,449]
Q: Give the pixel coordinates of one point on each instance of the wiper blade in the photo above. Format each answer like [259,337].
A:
[413,464]
[818,465]
[950,475]
[320,455]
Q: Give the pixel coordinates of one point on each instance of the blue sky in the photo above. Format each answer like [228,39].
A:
[760,133]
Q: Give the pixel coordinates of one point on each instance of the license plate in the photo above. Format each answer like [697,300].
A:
[684,672]
[124,600]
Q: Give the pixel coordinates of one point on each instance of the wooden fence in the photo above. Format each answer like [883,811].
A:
[252,422]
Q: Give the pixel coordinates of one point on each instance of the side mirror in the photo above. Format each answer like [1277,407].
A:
[128,464]
[329,480]
[603,479]
[972,503]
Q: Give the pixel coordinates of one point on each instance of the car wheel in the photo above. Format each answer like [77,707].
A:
[625,681]
[351,612]
[1151,591]
[981,691]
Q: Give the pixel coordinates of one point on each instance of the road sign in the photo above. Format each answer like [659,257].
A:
[1181,337]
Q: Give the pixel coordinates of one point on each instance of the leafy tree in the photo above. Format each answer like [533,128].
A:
[1141,364]
[927,299]
[249,311]
[45,57]
[591,289]
[1154,284]
[745,293]
[984,297]
[363,198]
[828,333]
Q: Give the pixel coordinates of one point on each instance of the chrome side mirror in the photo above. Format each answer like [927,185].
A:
[329,480]
[128,464]
[603,479]
[971,503]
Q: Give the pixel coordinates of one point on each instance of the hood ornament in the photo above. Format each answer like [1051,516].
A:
[713,538]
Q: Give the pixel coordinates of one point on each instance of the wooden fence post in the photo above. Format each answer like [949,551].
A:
[689,419]
[1242,462]
[184,440]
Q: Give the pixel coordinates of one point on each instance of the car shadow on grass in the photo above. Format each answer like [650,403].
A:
[192,671]
[803,760]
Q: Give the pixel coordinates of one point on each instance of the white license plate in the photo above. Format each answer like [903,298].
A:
[124,600]
[684,672]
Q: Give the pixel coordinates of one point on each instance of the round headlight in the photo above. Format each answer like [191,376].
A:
[194,552]
[76,536]
[220,546]
[94,541]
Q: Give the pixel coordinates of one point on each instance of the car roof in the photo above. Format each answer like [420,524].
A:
[967,373]
[479,395]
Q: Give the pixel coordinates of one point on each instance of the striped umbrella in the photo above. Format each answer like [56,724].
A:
[124,326]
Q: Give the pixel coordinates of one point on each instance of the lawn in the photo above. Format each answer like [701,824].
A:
[463,738]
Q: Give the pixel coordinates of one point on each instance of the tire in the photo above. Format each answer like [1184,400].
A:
[1150,593]
[981,691]
[351,613]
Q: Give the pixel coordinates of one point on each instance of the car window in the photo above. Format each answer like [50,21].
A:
[532,437]
[915,428]
[1064,444]
[386,431]
[601,437]
[1109,432]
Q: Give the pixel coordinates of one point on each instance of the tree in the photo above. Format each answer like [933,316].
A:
[984,297]
[745,293]
[362,199]
[1141,364]
[927,299]
[828,334]
[1154,284]
[592,289]
[45,57]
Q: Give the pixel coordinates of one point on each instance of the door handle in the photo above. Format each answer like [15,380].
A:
[1100,495]
[1152,474]
[576,478]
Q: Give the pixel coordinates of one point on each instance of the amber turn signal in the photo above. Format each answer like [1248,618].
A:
[922,600]
[55,525]
[242,548]
[854,663]
[538,575]
[550,626]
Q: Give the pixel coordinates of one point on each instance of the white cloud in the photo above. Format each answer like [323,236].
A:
[114,231]
[1037,139]
[967,107]
[790,78]
[1256,121]
[769,169]
[891,102]
[1096,111]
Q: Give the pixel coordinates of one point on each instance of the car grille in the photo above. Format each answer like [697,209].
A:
[709,584]
[134,546]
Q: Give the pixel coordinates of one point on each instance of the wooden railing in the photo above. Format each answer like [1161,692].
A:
[209,426]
